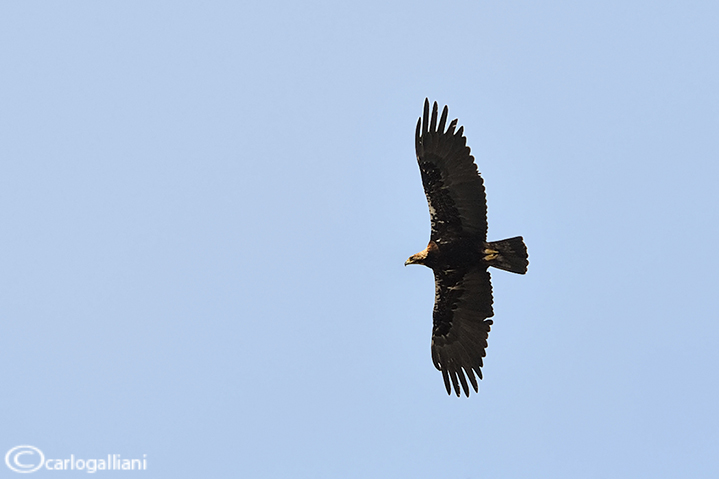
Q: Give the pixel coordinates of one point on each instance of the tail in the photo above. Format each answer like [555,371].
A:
[509,255]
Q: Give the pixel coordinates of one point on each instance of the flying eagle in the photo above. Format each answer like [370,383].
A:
[458,251]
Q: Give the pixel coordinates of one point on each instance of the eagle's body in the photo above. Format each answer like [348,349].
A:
[458,252]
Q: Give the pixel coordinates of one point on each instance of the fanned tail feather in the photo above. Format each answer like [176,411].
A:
[512,255]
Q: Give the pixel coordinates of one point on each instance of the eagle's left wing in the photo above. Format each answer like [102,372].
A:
[463,302]
[452,184]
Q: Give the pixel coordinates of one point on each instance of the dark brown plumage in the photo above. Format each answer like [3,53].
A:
[458,252]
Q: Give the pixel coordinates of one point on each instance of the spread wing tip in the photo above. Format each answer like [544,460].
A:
[428,123]
[453,374]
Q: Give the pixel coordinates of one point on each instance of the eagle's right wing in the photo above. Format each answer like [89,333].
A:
[463,302]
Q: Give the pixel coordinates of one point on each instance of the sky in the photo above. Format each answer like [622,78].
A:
[206,208]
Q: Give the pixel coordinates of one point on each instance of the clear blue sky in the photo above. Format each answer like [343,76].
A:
[206,208]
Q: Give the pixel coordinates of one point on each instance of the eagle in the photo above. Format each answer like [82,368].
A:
[458,251]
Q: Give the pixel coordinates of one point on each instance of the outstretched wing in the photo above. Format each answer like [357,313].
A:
[462,304]
[454,189]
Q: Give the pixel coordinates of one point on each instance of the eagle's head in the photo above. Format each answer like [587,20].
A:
[430,252]
[417,258]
